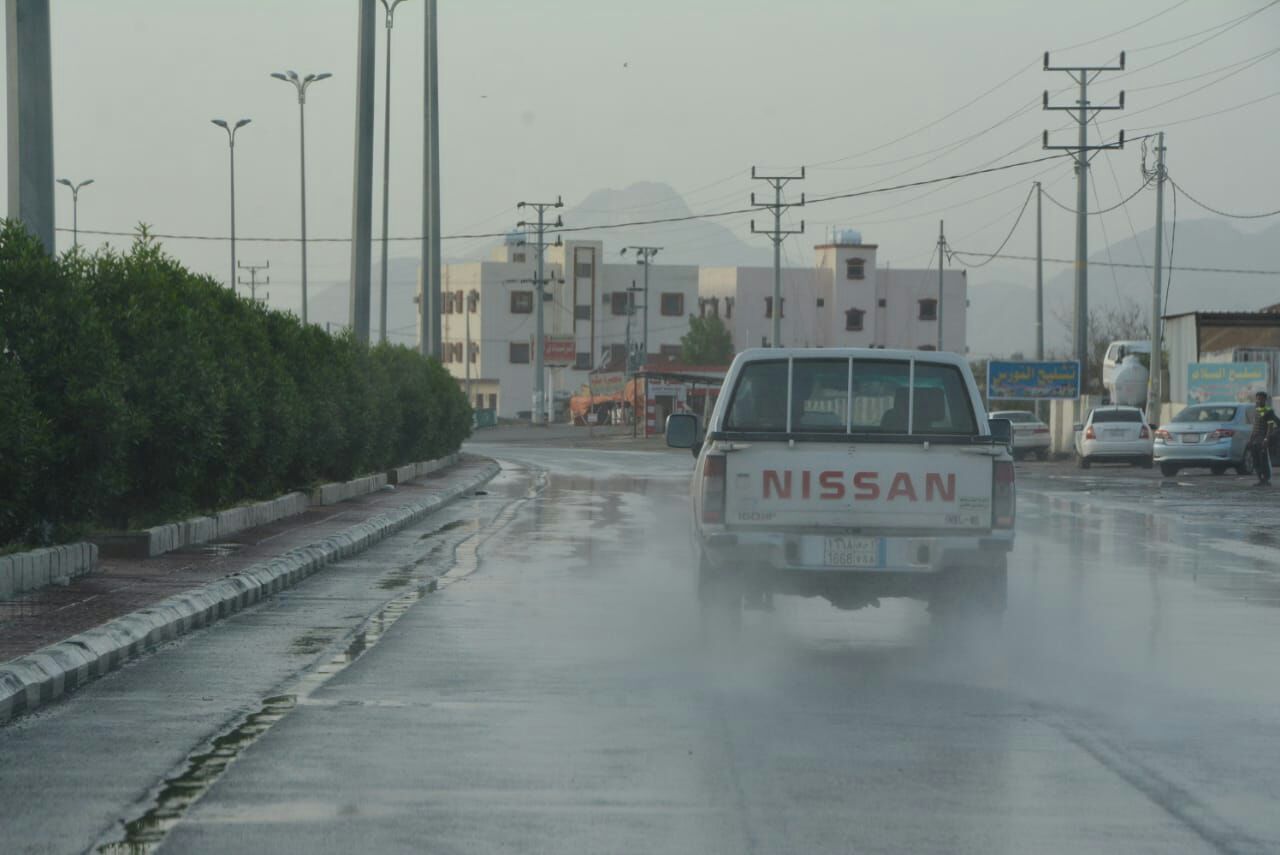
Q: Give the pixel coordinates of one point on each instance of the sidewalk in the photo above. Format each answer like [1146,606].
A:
[118,587]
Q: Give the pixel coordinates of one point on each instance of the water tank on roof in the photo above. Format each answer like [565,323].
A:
[848,237]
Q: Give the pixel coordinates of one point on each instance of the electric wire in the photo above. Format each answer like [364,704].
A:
[1099,213]
[1004,242]
[1234,271]
[1232,109]
[1221,213]
[1115,280]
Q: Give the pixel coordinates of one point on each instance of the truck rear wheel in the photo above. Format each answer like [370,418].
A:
[719,599]
[979,590]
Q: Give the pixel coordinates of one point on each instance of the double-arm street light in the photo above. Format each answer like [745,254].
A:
[75,208]
[231,143]
[301,83]
[390,7]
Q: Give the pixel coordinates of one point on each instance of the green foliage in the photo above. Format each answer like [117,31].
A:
[135,391]
[708,342]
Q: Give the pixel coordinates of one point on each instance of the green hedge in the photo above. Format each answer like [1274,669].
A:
[133,391]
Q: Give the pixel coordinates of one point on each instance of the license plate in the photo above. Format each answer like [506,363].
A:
[853,552]
[1191,437]
[1115,434]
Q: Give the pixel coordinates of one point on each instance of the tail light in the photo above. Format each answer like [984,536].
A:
[1145,433]
[1221,434]
[1089,433]
[1041,430]
[713,476]
[1003,496]
[1164,434]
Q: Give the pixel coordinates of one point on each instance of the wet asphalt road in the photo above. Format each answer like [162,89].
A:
[555,695]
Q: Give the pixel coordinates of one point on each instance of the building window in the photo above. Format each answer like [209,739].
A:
[583,362]
[583,269]
[493,400]
[479,400]
[882,302]
[670,352]
[521,302]
[582,313]
[672,305]
[473,301]
[517,257]
[768,307]
[821,302]
[854,268]
[618,302]
[617,355]
[853,319]
[928,309]
[519,353]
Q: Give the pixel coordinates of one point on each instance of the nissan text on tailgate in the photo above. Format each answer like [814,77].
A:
[851,474]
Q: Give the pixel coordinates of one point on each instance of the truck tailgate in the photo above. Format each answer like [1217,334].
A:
[851,486]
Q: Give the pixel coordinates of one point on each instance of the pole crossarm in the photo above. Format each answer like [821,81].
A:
[539,281]
[777,235]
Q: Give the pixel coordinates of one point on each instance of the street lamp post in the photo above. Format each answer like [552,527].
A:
[75,208]
[231,144]
[301,83]
[390,7]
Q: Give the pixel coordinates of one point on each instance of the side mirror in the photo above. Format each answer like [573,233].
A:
[1077,427]
[1001,431]
[682,431]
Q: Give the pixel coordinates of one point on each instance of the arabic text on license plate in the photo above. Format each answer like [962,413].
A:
[1114,434]
[1191,437]
[852,552]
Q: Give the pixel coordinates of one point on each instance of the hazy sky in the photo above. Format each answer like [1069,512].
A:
[568,96]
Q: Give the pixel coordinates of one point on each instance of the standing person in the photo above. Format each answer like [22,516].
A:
[1266,432]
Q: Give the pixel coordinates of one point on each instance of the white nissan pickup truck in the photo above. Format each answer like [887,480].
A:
[851,474]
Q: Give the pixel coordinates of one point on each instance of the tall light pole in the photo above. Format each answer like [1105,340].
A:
[231,144]
[75,208]
[390,7]
[301,84]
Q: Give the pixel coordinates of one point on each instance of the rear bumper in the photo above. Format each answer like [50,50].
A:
[1094,450]
[801,555]
[1198,452]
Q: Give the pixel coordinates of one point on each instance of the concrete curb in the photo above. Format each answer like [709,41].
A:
[23,571]
[39,678]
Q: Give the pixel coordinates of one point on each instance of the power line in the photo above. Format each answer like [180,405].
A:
[1012,229]
[1213,210]
[1258,56]
[1201,88]
[1232,109]
[1120,204]
[1238,271]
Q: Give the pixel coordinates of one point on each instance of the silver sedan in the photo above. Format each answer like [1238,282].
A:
[1206,435]
[1030,435]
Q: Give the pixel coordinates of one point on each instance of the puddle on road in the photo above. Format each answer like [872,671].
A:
[144,834]
[217,550]
[312,642]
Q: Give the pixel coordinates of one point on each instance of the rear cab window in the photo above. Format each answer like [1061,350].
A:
[851,396]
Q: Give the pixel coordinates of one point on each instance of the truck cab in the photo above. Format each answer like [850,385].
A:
[851,474]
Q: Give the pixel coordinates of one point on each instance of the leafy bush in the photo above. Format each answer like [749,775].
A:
[135,391]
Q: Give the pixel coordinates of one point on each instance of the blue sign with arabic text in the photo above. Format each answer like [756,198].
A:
[1033,380]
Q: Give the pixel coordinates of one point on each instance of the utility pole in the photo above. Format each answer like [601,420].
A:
[473,297]
[644,257]
[777,234]
[1155,381]
[362,193]
[1039,286]
[429,305]
[253,277]
[942,251]
[632,363]
[30,117]
[539,282]
[1083,112]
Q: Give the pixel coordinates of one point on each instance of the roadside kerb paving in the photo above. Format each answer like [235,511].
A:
[36,679]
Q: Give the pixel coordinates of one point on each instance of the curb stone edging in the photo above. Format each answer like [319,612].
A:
[23,571]
[38,678]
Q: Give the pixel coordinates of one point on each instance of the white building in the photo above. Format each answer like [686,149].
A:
[844,300]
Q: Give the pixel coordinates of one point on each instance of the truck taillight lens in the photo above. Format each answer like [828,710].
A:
[1003,497]
[1090,434]
[713,476]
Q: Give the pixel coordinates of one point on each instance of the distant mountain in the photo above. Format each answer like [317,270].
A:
[705,242]
[1001,314]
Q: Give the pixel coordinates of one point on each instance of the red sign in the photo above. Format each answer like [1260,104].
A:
[559,350]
